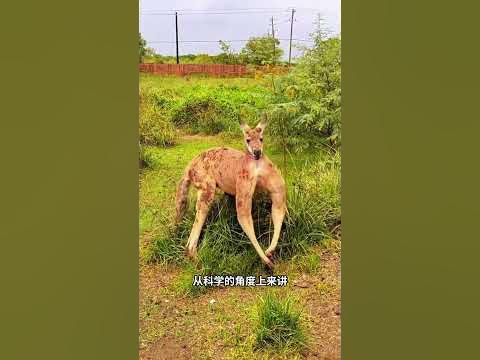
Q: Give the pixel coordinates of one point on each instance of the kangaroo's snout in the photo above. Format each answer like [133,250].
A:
[257,154]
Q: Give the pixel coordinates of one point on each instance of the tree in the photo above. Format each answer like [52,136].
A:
[202,59]
[142,46]
[143,50]
[227,56]
[260,51]
[308,99]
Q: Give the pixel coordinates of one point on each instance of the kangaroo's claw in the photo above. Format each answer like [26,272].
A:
[269,254]
[269,263]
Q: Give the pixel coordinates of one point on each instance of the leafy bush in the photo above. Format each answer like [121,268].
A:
[308,100]
[215,109]
[203,114]
[278,323]
[154,127]
[261,50]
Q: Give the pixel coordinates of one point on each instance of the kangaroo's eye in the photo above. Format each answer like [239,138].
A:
[248,140]
[261,139]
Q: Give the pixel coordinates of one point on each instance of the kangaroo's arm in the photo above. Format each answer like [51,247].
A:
[278,193]
[245,188]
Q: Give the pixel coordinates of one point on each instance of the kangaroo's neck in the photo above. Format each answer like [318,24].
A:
[249,156]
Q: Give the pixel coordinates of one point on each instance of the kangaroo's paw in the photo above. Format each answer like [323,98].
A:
[268,263]
[269,253]
[192,254]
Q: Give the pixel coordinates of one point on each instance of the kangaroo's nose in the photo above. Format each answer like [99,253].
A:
[257,153]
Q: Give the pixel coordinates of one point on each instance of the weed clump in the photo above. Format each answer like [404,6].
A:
[278,323]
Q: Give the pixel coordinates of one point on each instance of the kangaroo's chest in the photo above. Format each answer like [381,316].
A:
[257,172]
[262,172]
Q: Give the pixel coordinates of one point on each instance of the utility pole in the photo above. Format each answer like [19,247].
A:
[176,34]
[291,33]
[273,36]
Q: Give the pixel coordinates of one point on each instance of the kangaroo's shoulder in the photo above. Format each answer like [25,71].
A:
[220,152]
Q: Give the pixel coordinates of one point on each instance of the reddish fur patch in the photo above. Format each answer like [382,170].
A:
[208,194]
[262,182]
[243,174]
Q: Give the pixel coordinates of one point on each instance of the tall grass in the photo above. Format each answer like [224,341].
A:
[278,323]
[154,127]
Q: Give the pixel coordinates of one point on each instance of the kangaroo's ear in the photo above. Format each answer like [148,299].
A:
[263,122]
[244,126]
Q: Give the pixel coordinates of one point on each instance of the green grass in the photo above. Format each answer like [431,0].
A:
[183,283]
[181,84]
[206,105]
[278,323]
[154,126]
[307,263]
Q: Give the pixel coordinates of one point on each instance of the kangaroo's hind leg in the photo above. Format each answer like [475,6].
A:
[205,195]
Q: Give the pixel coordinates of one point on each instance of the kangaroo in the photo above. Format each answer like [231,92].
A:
[236,173]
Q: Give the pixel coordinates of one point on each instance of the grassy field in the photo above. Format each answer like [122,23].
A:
[237,323]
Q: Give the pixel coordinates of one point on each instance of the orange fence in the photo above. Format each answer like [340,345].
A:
[187,69]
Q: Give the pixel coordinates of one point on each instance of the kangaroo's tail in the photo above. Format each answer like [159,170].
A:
[181,200]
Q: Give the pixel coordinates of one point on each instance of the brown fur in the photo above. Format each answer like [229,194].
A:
[236,173]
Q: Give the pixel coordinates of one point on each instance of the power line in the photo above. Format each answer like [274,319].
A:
[212,10]
[215,13]
[224,10]
[216,41]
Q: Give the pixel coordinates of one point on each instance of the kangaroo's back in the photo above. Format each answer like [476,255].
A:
[221,165]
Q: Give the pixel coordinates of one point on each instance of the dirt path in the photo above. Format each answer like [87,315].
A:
[178,327]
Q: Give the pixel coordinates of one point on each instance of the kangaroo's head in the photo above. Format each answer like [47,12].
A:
[254,137]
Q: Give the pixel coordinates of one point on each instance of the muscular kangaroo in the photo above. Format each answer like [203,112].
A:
[236,173]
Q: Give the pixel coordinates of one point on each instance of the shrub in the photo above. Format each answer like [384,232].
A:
[203,114]
[308,100]
[215,109]
[278,323]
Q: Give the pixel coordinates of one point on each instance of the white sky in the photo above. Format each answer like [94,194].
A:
[231,26]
